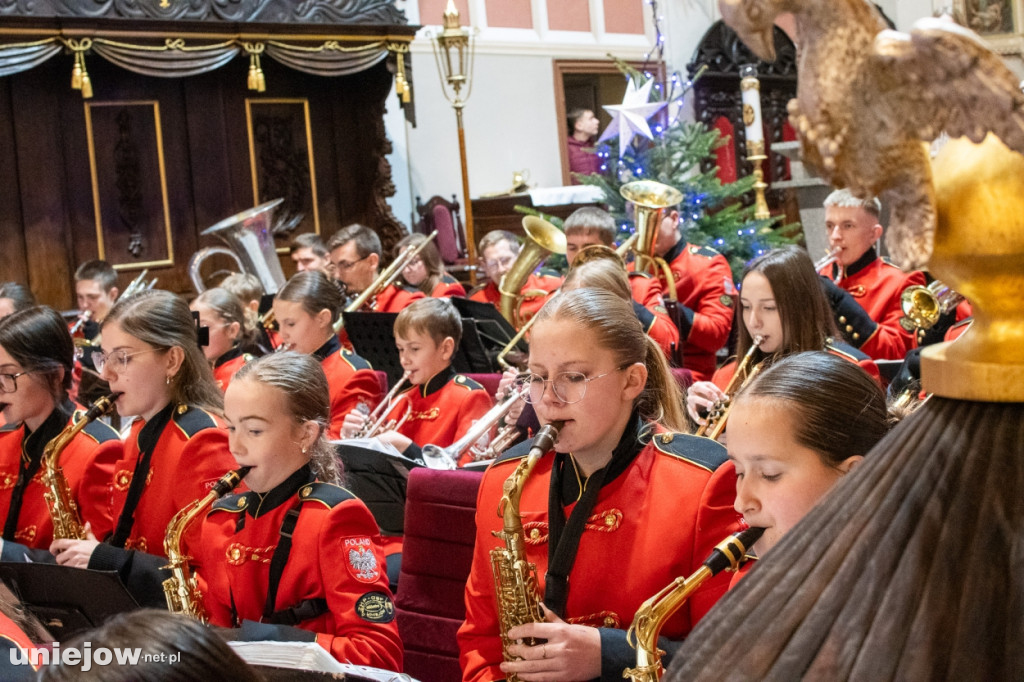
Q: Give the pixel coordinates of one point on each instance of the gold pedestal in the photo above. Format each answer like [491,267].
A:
[979,251]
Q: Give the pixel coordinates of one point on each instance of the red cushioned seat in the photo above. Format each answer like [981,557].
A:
[439,534]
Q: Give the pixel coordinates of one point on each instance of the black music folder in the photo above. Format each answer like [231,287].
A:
[67,600]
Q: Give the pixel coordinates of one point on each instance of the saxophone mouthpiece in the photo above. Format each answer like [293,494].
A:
[102,406]
[229,481]
[547,436]
[728,554]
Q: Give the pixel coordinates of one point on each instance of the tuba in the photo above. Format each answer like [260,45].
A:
[67,524]
[515,578]
[436,457]
[182,589]
[922,306]
[652,614]
[542,240]
[719,412]
[650,199]
[251,238]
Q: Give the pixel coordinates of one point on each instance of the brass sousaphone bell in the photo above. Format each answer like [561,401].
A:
[650,199]
[251,238]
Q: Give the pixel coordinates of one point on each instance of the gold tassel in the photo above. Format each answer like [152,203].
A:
[252,81]
[260,80]
[76,73]
[86,86]
[402,88]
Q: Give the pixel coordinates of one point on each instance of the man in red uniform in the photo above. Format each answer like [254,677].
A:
[96,291]
[590,226]
[866,298]
[498,251]
[705,291]
[355,253]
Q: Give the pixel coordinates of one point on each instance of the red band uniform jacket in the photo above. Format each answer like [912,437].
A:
[649,306]
[333,587]
[395,299]
[448,287]
[656,520]
[443,410]
[190,454]
[537,291]
[350,381]
[874,287]
[88,465]
[227,365]
[705,291]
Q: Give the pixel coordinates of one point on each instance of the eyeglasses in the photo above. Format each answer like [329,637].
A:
[119,358]
[568,387]
[9,382]
[498,263]
[344,265]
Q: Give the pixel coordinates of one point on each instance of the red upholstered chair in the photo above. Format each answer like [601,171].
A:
[439,534]
[382,379]
[683,377]
[488,381]
[443,215]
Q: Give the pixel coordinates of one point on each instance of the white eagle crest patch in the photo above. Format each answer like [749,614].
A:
[362,562]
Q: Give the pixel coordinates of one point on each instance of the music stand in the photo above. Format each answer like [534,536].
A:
[379,480]
[373,337]
[491,326]
[67,600]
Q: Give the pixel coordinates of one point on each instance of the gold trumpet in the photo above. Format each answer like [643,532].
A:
[652,614]
[436,457]
[375,420]
[719,412]
[922,306]
[384,279]
[650,199]
[542,240]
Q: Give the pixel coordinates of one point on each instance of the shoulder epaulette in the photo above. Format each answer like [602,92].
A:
[448,279]
[9,427]
[703,452]
[466,382]
[99,431]
[514,453]
[845,350]
[230,503]
[705,251]
[634,273]
[326,494]
[886,261]
[356,362]
[192,420]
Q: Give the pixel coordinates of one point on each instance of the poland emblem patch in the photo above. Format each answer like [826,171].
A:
[362,562]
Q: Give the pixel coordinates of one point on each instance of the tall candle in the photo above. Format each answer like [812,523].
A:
[751,92]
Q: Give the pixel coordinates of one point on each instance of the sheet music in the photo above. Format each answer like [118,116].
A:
[308,656]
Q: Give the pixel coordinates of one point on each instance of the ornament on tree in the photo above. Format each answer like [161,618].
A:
[630,118]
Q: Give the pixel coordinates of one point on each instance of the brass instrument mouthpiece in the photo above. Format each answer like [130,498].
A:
[228,481]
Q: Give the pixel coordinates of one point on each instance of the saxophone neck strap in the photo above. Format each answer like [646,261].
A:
[148,438]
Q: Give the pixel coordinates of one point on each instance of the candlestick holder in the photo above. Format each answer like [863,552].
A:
[750,89]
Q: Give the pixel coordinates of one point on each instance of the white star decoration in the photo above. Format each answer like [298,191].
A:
[630,117]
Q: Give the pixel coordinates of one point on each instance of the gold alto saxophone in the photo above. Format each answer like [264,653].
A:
[719,412]
[652,614]
[67,523]
[182,589]
[515,578]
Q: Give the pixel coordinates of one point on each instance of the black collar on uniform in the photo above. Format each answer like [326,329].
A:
[674,252]
[333,345]
[869,257]
[633,440]
[229,356]
[438,381]
[260,504]
[34,442]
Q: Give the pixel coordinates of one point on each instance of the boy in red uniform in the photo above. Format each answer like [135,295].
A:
[441,405]
[498,251]
[589,226]
[866,299]
[705,291]
[355,253]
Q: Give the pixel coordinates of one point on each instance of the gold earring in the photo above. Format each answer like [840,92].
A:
[167,381]
[303,449]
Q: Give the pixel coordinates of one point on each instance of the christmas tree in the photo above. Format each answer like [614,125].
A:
[711,213]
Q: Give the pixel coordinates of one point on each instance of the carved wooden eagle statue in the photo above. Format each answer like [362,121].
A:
[868,97]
